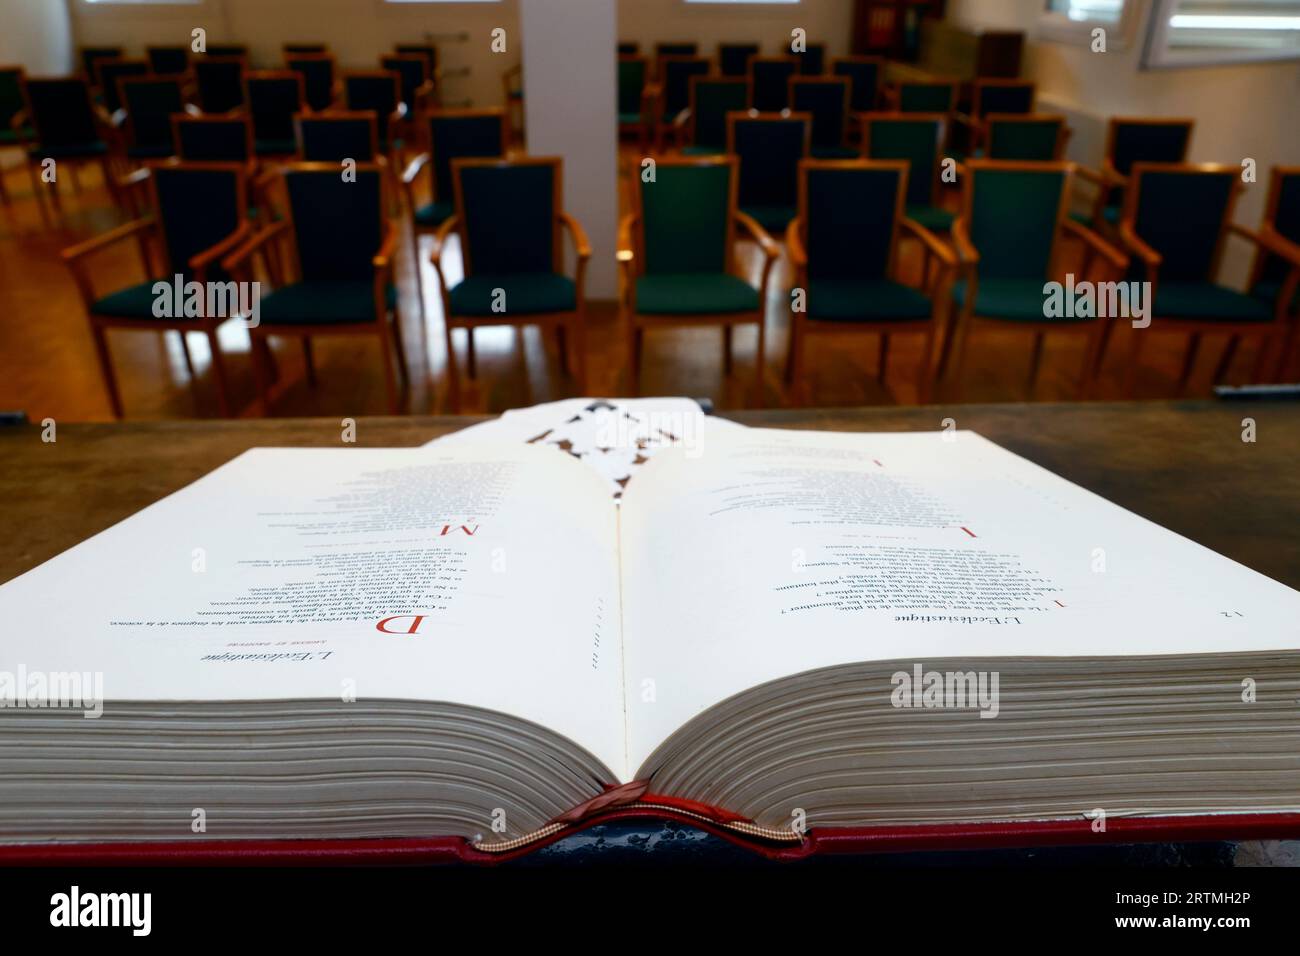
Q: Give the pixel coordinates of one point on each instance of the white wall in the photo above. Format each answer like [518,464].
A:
[651,21]
[37,35]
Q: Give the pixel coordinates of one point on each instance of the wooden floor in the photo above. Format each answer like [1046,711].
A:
[48,366]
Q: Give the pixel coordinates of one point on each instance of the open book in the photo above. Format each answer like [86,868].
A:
[776,632]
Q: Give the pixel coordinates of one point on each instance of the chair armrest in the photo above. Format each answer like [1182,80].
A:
[413,168]
[581,245]
[765,242]
[241,255]
[794,244]
[199,263]
[931,242]
[1111,175]
[1270,239]
[1150,258]
[1099,245]
[967,255]
[383,259]
[94,244]
[439,239]
[1091,175]
[18,121]
[626,247]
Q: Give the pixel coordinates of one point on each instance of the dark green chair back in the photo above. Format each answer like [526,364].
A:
[228,49]
[628,48]
[915,139]
[712,99]
[197,208]
[168,60]
[61,113]
[864,82]
[220,83]
[213,139]
[332,139]
[273,101]
[1005,98]
[1180,214]
[686,218]
[378,93]
[733,58]
[770,83]
[317,70]
[509,215]
[1034,139]
[849,218]
[150,104]
[292,49]
[632,72]
[1014,217]
[110,71]
[826,99]
[926,97]
[769,149]
[455,136]
[338,226]
[89,54]
[812,61]
[663,50]
[412,70]
[1286,220]
[426,50]
[1144,142]
[676,81]
[11,96]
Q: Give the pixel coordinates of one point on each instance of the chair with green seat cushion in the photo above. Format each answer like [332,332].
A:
[510,219]
[150,103]
[678,257]
[378,91]
[1006,238]
[863,74]
[712,98]
[633,81]
[916,138]
[219,83]
[826,100]
[1132,140]
[200,216]
[343,245]
[1273,279]
[733,58]
[769,147]
[844,248]
[168,60]
[274,98]
[67,129]
[1176,221]
[769,81]
[1033,137]
[317,71]
[672,91]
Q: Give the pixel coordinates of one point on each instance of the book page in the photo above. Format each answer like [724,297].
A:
[480,575]
[776,552]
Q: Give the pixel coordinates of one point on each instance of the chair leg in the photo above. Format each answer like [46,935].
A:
[760,360]
[580,352]
[390,373]
[218,373]
[1259,372]
[798,345]
[415,265]
[925,375]
[1134,360]
[185,351]
[471,363]
[727,363]
[883,362]
[561,347]
[1189,361]
[1229,353]
[453,374]
[38,190]
[949,340]
[1035,361]
[400,346]
[634,343]
[106,369]
[309,361]
[261,352]
[4,191]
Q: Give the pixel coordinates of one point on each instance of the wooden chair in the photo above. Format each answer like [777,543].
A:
[380,92]
[168,60]
[448,135]
[520,280]
[1030,137]
[826,100]
[66,128]
[670,94]
[342,250]
[1005,259]
[678,256]
[1131,140]
[200,216]
[923,96]
[216,139]
[769,82]
[107,73]
[863,74]
[634,101]
[219,82]
[1270,273]
[430,53]
[916,138]
[770,147]
[844,249]
[991,95]
[812,59]
[336,135]
[319,78]
[1176,220]
[671,48]
[273,98]
[415,79]
[89,55]
[702,131]
[148,104]
[14,131]
[733,58]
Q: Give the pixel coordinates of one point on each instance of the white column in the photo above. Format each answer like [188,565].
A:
[570,111]
[38,36]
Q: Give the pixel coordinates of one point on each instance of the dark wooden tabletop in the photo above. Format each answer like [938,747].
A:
[1183,465]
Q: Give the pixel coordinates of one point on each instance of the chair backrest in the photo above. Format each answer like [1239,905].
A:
[292,49]
[1182,212]
[89,54]
[1282,212]
[61,113]
[317,71]
[848,215]
[150,102]
[509,214]
[218,139]
[1001,96]
[220,82]
[463,134]
[769,78]
[1130,140]
[274,97]
[378,91]
[628,48]
[712,98]
[826,99]
[687,216]
[338,226]
[167,60]
[914,137]
[679,48]
[633,71]
[676,81]
[1028,136]
[334,136]
[1020,245]
[863,74]
[228,49]
[109,71]
[198,205]
[426,50]
[812,59]
[769,147]
[733,58]
[927,97]
[11,94]
[412,71]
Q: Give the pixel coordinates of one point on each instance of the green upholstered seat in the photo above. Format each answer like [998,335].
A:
[703,150]
[769,152]
[917,141]
[220,84]
[528,293]
[713,100]
[317,78]
[733,58]
[150,104]
[629,119]
[223,140]
[933,218]
[770,82]
[333,139]
[323,302]
[457,137]
[870,300]
[924,98]
[272,103]
[631,85]
[676,83]
[434,214]
[133,302]
[864,82]
[1015,299]
[377,93]
[64,120]
[1210,302]
[826,101]
[1033,140]
[694,293]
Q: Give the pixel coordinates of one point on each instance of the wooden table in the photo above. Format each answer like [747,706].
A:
[1183,465]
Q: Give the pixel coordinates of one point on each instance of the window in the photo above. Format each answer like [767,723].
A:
[1073,21]
[1095,11]
[1210,32]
